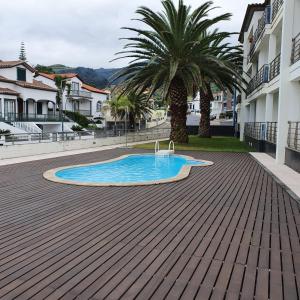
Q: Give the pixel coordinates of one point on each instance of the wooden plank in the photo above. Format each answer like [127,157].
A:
[226,232]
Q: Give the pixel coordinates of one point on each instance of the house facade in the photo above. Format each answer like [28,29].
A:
[270,109]
[82,98]
[25,103]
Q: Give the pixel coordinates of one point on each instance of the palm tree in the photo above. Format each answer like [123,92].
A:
[137,106]
[171,55]
[116,106]
[229,76]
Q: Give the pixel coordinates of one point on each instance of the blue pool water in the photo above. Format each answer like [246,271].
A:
[133,168]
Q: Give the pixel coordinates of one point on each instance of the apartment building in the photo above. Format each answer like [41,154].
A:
[270,109]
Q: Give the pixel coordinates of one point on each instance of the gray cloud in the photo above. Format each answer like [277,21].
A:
[81,32]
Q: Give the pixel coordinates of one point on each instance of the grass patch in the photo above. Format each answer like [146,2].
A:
[216,143]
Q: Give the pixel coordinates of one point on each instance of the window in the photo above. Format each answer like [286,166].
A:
[21,74]
[75,86]
[99,105]
[9,106]
[39,108]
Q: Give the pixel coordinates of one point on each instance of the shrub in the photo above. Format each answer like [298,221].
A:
[76,128]
[4,132]
[222,116]
[82,120]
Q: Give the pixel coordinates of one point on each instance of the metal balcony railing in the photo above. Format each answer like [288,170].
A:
[253,130]
[265,19]
[23,117]
[271,132]
[294,136]
[274,67]
[276,5]
[81,94]
[261,77]
[295,49]
[263,131]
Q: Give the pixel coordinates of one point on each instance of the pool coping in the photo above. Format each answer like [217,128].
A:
[184,173]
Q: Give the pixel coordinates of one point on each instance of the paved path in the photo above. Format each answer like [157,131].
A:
[228,231]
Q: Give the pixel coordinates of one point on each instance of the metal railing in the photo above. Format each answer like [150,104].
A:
[261,77]
[23,117]
[253,130]
[294,136]
[116,136]
[276,5]
[274,67]
[263,131]
[295,49]
[271,132]
[265,19]
[80,93]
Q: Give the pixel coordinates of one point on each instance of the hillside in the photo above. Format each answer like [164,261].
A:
[100,78]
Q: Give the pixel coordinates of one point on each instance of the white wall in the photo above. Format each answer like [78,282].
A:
[53,147]
[11,73]
[260,110]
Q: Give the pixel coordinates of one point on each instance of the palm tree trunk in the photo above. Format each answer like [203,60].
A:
[132,121]
[178,109]
[205,98]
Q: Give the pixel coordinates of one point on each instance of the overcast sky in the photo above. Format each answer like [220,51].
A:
[81,32]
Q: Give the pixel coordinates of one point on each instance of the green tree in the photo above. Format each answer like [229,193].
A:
[22,55]
[137,106]
[225,74]
[172,54]
[44,69]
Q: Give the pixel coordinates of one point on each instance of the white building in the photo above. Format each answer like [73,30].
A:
[194,105]
[270,110]
[26,104]
[83,98]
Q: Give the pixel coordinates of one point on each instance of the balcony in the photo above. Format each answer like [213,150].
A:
[271,132]
[294,136]
[23,117]
[295,49]
[275,8]
[263,131]
[265,19]
[80,94]
[261,77]
[274,67]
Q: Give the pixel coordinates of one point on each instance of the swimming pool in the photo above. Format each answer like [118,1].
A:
[135,169]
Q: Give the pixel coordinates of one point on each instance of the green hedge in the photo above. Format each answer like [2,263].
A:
[82,120]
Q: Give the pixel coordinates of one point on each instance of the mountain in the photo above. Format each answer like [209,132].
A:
[100,78]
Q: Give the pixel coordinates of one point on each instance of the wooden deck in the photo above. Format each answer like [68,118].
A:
[228,231]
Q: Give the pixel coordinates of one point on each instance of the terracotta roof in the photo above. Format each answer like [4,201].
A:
[52,76]
[93,89]
[35,84]
[251,8]
[5,91]
[4,79]
[14,63]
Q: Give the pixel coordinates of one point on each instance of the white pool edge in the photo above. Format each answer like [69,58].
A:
[184,173]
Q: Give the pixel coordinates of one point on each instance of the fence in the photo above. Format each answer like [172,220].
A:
[271,132]
[295,49]
[261,77]
[274,67]
[294,136]
[127,136]
[276,7]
